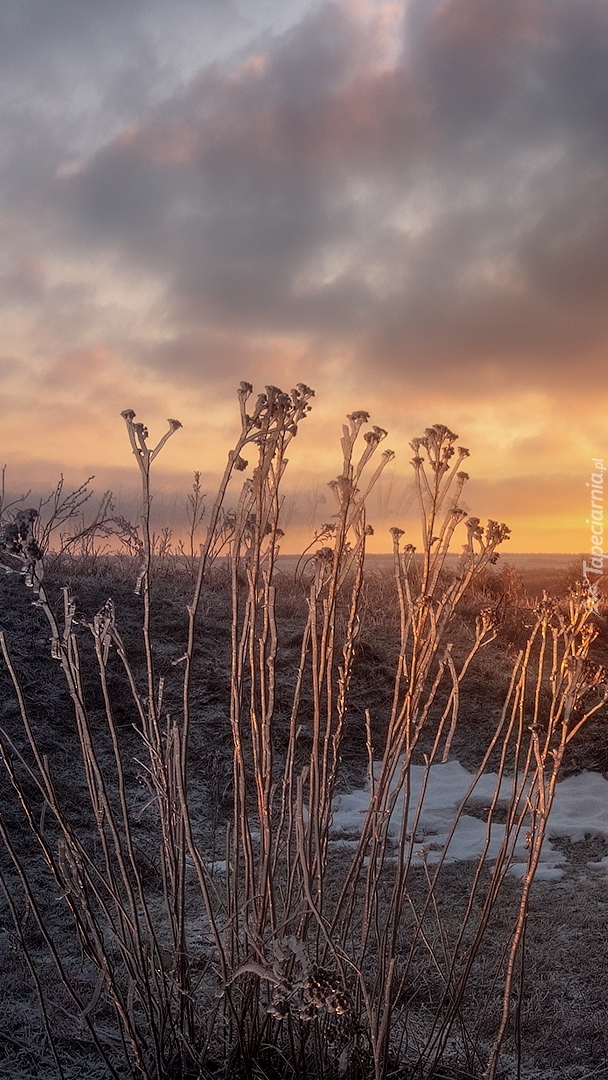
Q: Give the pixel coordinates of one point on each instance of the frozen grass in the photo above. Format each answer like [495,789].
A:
[178,761]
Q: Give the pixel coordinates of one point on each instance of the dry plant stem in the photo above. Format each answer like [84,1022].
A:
[253,549]
[460,966]
[66,981]
[44,783]
[518,808]
[571,677]
[81,876]
[144,456]
[116,886]
[291,921]
[294,815]
[425,611]
[271,410]
[163,763]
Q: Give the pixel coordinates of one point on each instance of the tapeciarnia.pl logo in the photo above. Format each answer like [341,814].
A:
[596,521]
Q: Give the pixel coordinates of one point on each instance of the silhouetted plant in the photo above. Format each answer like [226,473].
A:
[309,953]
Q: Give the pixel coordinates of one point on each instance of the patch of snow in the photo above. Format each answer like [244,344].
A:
[580,809]
[601,864]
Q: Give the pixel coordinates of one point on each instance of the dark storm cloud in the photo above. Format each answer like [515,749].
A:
[73,75]
[447,206]
[439,207]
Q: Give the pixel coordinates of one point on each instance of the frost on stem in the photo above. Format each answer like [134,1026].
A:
[138,436]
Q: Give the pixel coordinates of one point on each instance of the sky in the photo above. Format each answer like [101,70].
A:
[401,203]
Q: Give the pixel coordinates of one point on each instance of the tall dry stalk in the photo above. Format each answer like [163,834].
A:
[556,657]
[99,873]
[368,914]
[279,835]
[312,951]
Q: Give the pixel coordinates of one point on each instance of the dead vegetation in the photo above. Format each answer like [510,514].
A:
[174,729]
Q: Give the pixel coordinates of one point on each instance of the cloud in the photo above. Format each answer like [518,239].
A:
[420,183]
[401,202]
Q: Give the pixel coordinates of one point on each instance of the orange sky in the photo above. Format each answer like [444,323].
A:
[401,203]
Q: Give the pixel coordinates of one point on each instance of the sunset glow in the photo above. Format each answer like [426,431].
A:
[401,203]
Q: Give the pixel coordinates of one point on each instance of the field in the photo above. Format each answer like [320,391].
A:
[177,730]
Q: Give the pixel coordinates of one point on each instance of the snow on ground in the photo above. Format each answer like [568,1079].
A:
[580,810]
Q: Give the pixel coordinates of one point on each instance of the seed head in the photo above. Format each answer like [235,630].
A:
[302,391]
[324,555]
[495,533]
[487,619]
[585,674]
